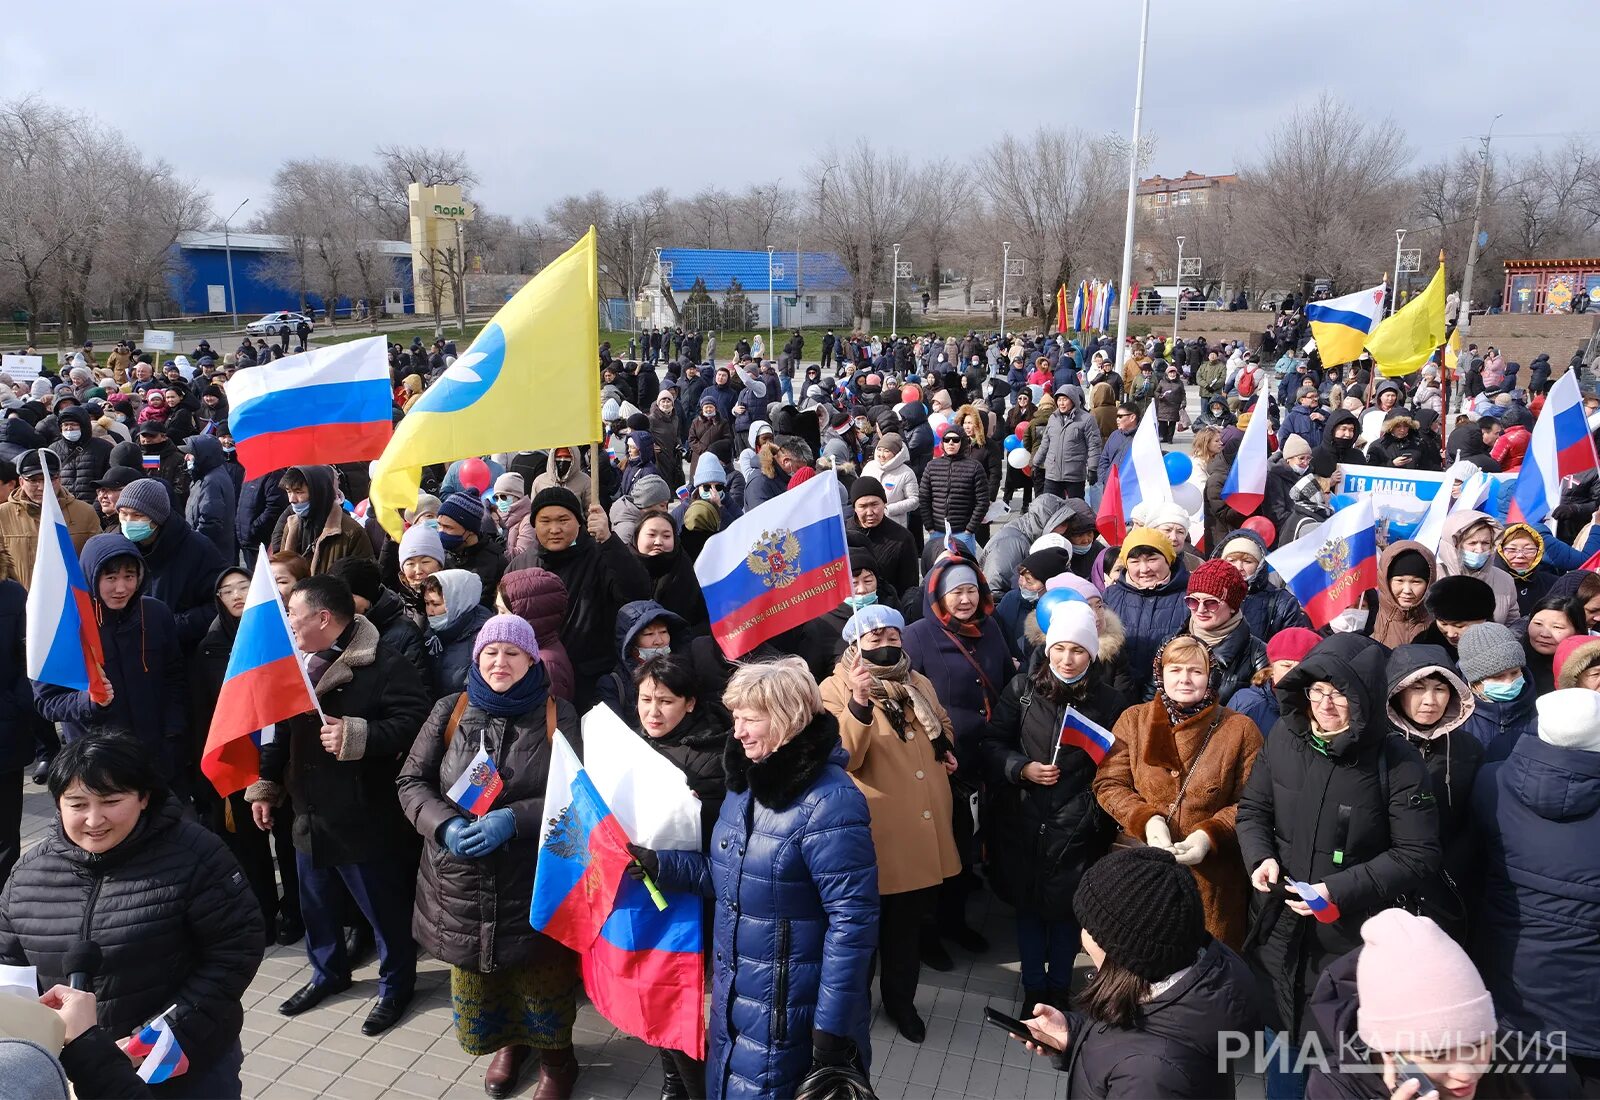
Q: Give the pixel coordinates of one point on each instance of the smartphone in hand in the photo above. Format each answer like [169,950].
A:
[1407,1070]
[1017,1028]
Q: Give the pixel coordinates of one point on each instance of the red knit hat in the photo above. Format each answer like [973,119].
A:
[1292,644]
[1220,579]
[801,476]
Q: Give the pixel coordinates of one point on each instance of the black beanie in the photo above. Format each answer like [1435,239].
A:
[556,497]
[1409,563]
[1144,911]
[639,422]
[361,574]
[1323,462]
[1041,565]
[1460,600]
[867,487]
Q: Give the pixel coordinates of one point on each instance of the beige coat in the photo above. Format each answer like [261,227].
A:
[907,791]
[19,531]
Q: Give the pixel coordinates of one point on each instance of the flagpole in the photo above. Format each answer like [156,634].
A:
[1133,191]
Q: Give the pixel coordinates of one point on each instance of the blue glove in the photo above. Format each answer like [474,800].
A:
[488,832]
[453,835]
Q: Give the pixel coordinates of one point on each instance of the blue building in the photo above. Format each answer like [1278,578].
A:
[807,288]
[199,282]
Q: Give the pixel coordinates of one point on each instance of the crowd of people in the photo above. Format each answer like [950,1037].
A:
[1377,839]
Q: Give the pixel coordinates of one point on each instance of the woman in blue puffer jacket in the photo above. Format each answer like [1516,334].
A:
[1149,599]
[795,878]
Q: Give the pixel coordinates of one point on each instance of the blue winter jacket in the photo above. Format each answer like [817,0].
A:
[794,876]
[1499,726]
[1150,618]
[1537,930]
[1259,703]
[1267,607]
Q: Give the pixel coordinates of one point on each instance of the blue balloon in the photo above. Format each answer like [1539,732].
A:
[1048,604]
[1178,467]
[1012,443]
[1341,501]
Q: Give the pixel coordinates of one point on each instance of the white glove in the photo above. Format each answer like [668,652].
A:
[1157,835]
[1192,848]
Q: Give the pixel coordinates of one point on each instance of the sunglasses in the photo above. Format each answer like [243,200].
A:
[1201,603]
[952,439]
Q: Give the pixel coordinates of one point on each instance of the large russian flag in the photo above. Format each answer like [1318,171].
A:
[265,683]
[330,405]
[1561,447]
[63,638]
[1246,486]
[1139,476]
[1332,565]
[777,566]
[582,854]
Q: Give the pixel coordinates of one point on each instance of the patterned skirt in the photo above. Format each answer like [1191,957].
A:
[531,1005]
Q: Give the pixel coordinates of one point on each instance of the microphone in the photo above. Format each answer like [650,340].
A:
[82,962]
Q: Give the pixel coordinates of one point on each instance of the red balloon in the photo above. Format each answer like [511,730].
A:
[474,474]
[1262,526]
[911,393]
[1022,431]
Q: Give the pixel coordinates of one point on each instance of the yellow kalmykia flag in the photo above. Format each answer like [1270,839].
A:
[530,380]
[1402,344]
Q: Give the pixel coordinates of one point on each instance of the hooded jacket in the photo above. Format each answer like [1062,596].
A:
[1010,543]
[1499,727]
[397,630]
[617,688]
[143,662]
[1069,442]
[1456,525]
[1103,407]
[212,506]
[1267,607]
[1533,585]
[1363,794]
[954,490]
[449,647]
[326,532]
[1150,617]
[900,485]
[84,462]
[262,502]
[1341,451]
[1391,624]
[17,436]
[539,597]
[181,570]
[1536,934]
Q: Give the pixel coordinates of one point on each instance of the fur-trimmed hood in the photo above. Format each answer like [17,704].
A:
[1113,636]
[778,781]
[1410,663]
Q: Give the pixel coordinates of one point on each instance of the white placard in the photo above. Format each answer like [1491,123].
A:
[160,339]
[21,367]
[19,981]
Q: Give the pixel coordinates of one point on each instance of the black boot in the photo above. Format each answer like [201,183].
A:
[672,1086]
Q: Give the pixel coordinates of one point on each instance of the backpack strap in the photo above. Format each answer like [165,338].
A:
[455,719]
[549,717]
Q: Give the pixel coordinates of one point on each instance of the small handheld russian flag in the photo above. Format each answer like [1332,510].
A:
[1322,908]
[1078,731]
[476,788]
[163,1057]
[151,462]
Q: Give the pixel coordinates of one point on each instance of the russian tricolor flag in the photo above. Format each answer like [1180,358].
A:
[1331,566]
[63,638]
[476,788]
[1561,447]
[1079,731]
[158,1046]
[265,683]
[1246,486]
[582,855]
[333,404]
[777,566]
[1322,908]
[1140,476]
[150,462]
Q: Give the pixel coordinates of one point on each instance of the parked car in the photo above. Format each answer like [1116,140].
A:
[269,325]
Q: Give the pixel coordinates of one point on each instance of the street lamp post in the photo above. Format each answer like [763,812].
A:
[227,248]
[1177,296]
[894,298]
[1005,269]
[1133,192]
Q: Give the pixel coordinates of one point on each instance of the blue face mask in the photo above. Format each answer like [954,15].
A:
[451,542]
[1474,559]
[431,524]
[137,530]
[438,622]
[1029,596]
[858,602]
[1067,680]
[300,508]
[1080,551]
[1500,692]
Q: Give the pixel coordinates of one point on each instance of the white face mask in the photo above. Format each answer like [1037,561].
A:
[1350,621]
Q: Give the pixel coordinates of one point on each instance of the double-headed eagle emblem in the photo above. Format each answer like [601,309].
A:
[1334,557]
[775,558]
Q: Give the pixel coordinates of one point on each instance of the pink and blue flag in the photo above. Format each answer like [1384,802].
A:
[1561,447]
[777,566]
[333,404]
[1322,908]
[1246,486]
[476,788]
[582,855]
[158,1046]
[63,638]
[265,683]
[1078,730]
[1330,567]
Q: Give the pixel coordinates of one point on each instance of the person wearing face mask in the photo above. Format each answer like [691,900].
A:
[1466,548]
[1429,705]
[1149,598]
[181,565]
[564,471]
[656,544]
[314,525]
[901,756]
[644,630]
[211,506]
[1015,612]
[85,458]
[710,426]
[1491,661]
[453,602]
[1268,608]
[867,589]
[1042,809]
[508,490]
[1174,777]
[157,447]
[1282,472]
[1405,572]
[467,545]
[668,437]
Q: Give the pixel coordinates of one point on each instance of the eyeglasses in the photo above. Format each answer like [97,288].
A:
[1201,603]
[1319,694]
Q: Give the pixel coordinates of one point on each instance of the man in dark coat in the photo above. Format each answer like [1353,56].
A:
[212,505]
[262,500]
[84,458]
[16,720]
[338,771]
[893,550]
[181,566]
[383,608]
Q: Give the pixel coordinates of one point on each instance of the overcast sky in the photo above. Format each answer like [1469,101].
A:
[548,98]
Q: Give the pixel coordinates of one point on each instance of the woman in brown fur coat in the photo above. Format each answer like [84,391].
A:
[1174,778]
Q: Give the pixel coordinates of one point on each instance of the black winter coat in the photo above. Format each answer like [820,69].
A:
[473,913]
[894,549]
[181,570]
[696,748]
[954,490]
[1045,837]
[1364,796]
[397,631]
[16,691]
[346,809]
[213,505]
[599,578]
[1174,1050]
[84,462]
[261,502]
[173,917]
[1149,617]
[1235,661]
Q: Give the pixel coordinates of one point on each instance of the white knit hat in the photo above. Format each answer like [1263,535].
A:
[1076,622]
[1570,719]
[1169,512]
[1049,540]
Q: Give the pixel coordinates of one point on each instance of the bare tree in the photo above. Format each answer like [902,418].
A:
[871,203]
[764,216]
[402,165]
[945,194]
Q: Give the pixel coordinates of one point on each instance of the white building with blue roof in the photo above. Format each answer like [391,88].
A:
[807,288]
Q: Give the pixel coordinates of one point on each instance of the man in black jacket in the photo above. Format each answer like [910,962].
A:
[338,770]
[84,458]
[262,500]
[893,549]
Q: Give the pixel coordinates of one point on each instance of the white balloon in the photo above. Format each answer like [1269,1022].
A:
[1019,458]
[1188,497]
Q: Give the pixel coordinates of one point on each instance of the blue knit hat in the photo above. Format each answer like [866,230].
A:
[466,509]
[875,616]
[709,470]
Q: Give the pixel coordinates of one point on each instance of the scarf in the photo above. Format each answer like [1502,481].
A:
[521,698]
[1214,638]
[893,693]
[1178,713]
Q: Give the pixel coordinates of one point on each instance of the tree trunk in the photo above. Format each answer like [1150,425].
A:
[32,296]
